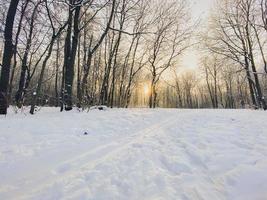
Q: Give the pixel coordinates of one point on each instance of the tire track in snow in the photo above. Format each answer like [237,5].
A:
[88,160]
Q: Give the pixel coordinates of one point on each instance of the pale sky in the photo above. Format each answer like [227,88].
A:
[200,9]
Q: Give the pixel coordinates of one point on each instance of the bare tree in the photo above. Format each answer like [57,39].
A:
[169,41]
[233,38]
[8,52]
[71,46]
[212,66]
[55,34]
[24,64]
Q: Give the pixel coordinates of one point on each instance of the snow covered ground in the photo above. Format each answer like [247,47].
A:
[134,154]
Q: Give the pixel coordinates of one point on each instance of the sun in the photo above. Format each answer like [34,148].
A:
[146,89]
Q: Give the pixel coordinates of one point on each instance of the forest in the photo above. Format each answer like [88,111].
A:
[133,99]
[127,53]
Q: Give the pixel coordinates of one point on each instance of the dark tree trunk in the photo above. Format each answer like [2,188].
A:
[250,83]
[215,89]
[57,71]
[128,92]
[153,97]
[259,96]
[8,52]
[70,54]
[114,71]
[105,83]
[79,75]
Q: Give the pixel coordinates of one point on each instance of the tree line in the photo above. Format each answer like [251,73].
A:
[121,53]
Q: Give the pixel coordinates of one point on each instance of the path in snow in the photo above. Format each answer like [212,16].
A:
[134,154]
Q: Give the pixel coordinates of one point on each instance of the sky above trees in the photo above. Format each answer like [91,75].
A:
[200,10]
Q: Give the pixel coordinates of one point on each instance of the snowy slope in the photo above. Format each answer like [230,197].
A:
[134,154]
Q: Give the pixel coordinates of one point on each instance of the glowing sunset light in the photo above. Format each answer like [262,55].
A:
[146,89]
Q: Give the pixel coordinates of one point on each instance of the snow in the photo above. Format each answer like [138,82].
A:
[134,154]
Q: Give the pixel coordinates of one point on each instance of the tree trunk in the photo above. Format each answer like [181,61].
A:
[105,83]
[250,83]
[70,54]
[259,96]
[79,74]
[8,52]
[57,71]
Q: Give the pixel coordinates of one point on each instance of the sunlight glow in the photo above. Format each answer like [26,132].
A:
[146,89]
